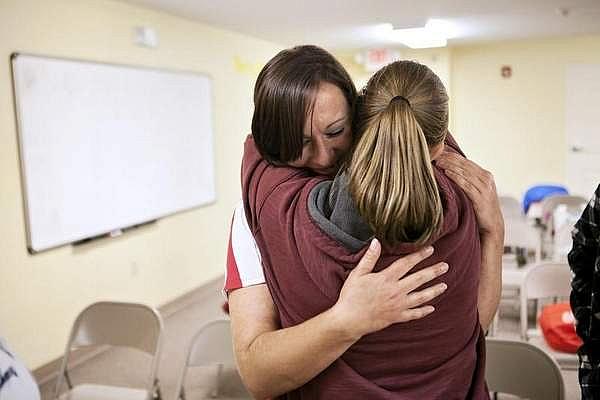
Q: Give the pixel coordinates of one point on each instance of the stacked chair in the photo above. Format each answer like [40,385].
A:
[545,281]
[556,231]
[522,241]
[545,277]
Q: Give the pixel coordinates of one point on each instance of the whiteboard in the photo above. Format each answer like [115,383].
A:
[105,147]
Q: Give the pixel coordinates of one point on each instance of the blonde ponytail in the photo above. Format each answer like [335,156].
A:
[390,175]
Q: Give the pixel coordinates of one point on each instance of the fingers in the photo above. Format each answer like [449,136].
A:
[462,167]
[369,259]
[472,190]
[466,178]
[416,299]
[475,181]
[481,189]
[466,168]
[415,313]
[418,279]
[453,159]
[458,164]
[401,266]
[415,302]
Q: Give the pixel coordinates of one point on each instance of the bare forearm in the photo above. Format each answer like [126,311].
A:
[279,361]
[490,284]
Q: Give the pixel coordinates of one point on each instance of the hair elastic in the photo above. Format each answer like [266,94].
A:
[400,98]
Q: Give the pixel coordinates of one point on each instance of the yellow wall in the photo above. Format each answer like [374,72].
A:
[437,59]
[40,295]
[515,127]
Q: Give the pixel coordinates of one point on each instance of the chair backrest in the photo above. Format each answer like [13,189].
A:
[550,203]
[539,192]
[211,345]
[131,325]
[542,281]
[522,369]
[518,232]
[118,324]
[564,218]
[511,208]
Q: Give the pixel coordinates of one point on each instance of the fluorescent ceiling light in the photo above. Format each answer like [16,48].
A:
[442,27]
[435,33]
[418,38]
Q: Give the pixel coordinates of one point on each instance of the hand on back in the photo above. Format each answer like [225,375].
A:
[370,301]
[479,185]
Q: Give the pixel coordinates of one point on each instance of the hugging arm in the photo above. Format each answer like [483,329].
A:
[273,361]
[480,187]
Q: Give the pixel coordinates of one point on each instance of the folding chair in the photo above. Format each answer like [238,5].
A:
[511,208]
[573,205]
[545,281]
[522,369]
[519,233]
[117,324]
[550,203]
[211,346]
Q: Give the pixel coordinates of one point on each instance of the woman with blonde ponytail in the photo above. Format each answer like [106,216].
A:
[311,231]
[401,114]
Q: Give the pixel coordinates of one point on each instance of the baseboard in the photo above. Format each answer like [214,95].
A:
[181,302]
[48,371]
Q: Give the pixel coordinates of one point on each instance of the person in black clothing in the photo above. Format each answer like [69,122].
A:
[584,259]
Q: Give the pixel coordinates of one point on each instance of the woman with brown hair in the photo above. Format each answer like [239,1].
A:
[302,117]
[312,231]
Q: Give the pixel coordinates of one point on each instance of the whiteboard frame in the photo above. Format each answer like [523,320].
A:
[23,174]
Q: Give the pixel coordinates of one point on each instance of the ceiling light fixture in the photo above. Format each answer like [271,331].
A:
[435,33]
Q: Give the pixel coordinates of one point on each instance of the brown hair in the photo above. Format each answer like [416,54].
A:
[284,95]
[402,111]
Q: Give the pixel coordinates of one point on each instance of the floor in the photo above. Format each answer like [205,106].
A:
[127,368]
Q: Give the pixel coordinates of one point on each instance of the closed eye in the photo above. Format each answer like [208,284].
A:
[336,133]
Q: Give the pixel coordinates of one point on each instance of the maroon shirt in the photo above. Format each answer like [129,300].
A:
[438,357]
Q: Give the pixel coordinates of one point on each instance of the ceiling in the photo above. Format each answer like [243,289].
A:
[353,24]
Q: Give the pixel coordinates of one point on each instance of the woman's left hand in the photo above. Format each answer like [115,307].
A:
[479,185]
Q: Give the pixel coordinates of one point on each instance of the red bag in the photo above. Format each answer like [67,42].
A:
[558,326]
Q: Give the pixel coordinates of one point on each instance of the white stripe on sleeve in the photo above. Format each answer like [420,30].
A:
[246,252]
